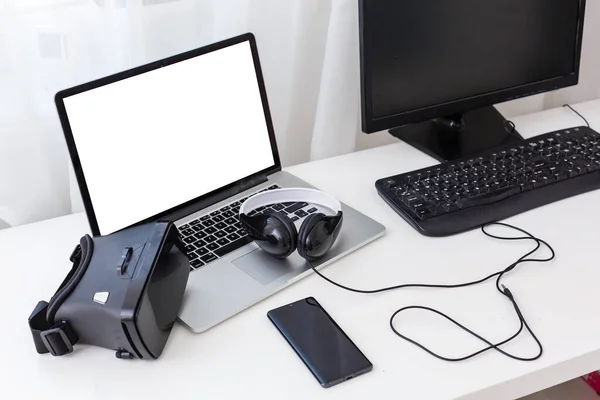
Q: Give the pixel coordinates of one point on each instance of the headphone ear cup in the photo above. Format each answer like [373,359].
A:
[308,224]
[291,232]
[286,221]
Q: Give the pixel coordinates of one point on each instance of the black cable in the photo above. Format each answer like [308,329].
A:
[577,112]
[501,288]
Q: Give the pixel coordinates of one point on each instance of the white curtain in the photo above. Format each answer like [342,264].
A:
[48,45]
[308,49]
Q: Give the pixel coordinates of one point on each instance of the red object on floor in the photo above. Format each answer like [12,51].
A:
[593,379]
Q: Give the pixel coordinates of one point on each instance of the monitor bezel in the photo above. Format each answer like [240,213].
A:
[371,124]
[79,173]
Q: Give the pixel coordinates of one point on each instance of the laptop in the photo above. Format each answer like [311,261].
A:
[189,139]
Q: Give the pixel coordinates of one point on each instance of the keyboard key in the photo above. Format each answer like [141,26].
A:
[208,222]
[422,203]
[221,225]
[192,256]
[210,238]
[234,245]
[295,218]
[224,209]
[295,207]
[204,218]
[236,204]
[227,214]
[301,213]
[189,248]
[222,241]
[526,186]
[312,210]
[490,197]
[218,218]
[230,229]
[189,239]
[196,263]
[212,246]
[423,213]
[287,204]
[217,212]
[198,228]
[450,207]
[208,258]
[182,227]
[273,187]
[187,232]
[199,243]
[277,207]
[411,200]
[201,235]
[231,221]
[242,232]
[210,229]
[537,183]
[390,183]
[233,236]
[202,251]
[221,234]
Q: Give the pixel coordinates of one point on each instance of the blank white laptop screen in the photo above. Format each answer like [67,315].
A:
[159,139]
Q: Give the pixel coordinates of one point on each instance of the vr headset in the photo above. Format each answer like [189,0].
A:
[122,293]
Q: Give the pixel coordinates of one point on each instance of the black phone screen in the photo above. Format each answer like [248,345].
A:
[325,349]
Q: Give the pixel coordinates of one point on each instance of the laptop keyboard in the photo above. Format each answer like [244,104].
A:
[218,233]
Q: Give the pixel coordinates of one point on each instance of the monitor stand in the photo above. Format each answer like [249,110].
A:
[459,135]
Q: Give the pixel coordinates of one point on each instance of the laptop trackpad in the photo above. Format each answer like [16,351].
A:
[266,269]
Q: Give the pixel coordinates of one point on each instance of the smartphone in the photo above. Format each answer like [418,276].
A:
[323,346]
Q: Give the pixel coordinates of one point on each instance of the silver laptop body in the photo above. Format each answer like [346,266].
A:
[187,139]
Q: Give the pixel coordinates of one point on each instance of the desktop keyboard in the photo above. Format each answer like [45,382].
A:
[460,195]
[218,233]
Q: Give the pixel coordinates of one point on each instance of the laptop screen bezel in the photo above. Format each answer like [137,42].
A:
[79,173]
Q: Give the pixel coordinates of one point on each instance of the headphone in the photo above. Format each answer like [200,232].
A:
[276,233]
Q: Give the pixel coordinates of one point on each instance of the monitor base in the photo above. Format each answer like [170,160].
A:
[460,135]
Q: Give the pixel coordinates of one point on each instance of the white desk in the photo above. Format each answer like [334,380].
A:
[246,357]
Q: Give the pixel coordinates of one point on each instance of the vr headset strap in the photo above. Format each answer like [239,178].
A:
[57,339]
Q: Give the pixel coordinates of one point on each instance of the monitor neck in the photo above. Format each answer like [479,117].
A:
[459,135]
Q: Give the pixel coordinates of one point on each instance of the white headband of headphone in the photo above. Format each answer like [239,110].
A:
[311,196]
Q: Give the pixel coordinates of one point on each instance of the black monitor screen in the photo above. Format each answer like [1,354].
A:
[424,53]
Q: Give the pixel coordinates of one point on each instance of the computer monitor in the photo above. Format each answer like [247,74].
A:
[432,69]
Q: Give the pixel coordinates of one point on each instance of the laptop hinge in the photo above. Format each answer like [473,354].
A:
[222,195]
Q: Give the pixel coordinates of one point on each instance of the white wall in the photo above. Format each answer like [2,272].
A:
[49,45]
